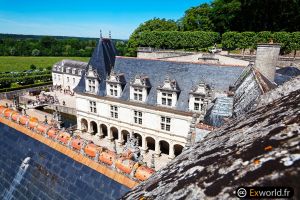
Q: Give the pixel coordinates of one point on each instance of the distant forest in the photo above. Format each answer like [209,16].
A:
[33,45]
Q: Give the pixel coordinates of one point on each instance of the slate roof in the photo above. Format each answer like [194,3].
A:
[187,75]
[260,149]
[248,88]
[71,63]
[221,110]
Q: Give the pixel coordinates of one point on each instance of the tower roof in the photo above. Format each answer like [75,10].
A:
[102,60]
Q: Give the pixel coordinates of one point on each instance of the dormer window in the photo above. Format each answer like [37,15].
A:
[73,71]
[166,99]
[91,80]
[139,88]
[68,70]
[114,84]
[91,86]
[200,96]
[80,72]
[138,94]
[167,93]
[113,90]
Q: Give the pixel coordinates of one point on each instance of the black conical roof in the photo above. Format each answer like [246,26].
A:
[102,60]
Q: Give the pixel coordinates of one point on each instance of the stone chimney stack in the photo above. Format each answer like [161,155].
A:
[266,59]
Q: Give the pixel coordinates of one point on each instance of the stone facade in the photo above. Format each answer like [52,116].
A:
[67,74]
[153,100]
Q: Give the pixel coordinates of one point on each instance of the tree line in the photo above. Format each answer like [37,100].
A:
[50,46]
[243,15]
[227,16]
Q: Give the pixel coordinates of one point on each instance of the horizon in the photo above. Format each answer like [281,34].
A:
[53,18]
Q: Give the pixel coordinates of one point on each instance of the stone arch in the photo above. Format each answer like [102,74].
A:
[124,134]
[103,130]
[139,138]
[164,147]
[84,125]
[150,143]
[93,127]
[114,133]
[178,149]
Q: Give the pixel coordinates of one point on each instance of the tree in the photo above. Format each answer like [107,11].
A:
[35,52]
[264,37]
[295,42]
[155,24]
[32,67]
[269,15]
[230,40]
[246,40]
[225,15]
[198,18]
[12,51]
[284,39]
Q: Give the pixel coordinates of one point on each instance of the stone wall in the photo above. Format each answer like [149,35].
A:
[50,175]
[11,94]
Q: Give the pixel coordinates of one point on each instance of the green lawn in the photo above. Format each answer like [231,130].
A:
[20,63]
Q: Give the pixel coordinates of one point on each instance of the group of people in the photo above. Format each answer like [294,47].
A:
[46,99]
[65,91]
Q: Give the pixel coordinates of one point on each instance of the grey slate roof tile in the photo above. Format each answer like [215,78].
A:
[187,75]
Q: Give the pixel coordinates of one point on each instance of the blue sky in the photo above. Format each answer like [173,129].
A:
[85,18]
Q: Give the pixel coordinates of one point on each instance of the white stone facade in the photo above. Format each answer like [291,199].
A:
[104,123]
[67,74]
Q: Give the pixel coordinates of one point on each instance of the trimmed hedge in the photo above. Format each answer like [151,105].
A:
[198,40]
[178,40]
[24,80]
[234,40]
[25,87]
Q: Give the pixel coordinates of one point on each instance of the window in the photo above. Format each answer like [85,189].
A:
[91,85]
[113,90]
[79,72]
[54,76]
[114,112]
[59,77]
[137,94]
[73,80]
[138,117]
[198,105]
[68,79]
[93,108]
[74,71]
[166,99]
[165,123]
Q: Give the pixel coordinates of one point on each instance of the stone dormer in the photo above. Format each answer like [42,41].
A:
[139,88]
[200,97]
[92,80]
[115,84]
[167,94]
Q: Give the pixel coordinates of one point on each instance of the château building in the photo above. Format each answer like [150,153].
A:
[66,74]
[157,101]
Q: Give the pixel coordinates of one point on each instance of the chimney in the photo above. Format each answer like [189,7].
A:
[266,59]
